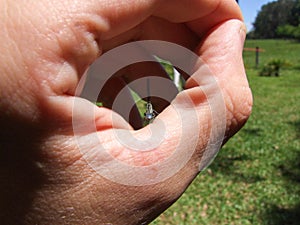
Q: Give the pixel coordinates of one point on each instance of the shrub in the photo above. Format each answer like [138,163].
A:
[272,68]
[289,31]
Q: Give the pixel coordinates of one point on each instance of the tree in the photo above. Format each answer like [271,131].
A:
[271,16]
[292,28]
[294,18]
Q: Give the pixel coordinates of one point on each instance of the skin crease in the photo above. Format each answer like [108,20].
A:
[45,48]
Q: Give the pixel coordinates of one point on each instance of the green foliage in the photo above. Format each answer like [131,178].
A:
[294,18]
[169,68]
[255,179]
[289,31]
[286,31]
[99,104]
[272,68]
[273,15]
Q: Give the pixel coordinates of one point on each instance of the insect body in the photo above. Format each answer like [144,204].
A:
[150,113]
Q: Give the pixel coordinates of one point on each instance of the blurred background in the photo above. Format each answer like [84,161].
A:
[255,179]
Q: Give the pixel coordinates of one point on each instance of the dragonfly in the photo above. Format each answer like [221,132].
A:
[150,113]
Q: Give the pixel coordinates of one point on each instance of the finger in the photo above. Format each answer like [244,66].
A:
[222,51]
[199,16]
[155,28]
[78,31]
[223,11]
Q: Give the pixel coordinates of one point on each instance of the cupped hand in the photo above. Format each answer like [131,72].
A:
[53,173]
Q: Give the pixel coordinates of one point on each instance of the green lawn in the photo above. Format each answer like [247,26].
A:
[256,177]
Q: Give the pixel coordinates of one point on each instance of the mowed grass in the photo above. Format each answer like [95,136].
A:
[255,179]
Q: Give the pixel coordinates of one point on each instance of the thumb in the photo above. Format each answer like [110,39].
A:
[222,51]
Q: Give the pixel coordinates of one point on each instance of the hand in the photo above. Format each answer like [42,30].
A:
[46,46]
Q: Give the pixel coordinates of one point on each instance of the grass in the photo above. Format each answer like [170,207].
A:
[256,177]
[273,49]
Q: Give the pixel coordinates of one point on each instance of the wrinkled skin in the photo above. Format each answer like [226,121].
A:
[45,48]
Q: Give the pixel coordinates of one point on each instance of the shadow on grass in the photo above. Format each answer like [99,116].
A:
[228,161]
[291,173]
[291,170]
[282,216]
[296,125]
[252,131]
[226,165]
[297,67]
[277,215]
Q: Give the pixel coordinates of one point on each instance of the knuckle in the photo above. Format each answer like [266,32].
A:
[239,108]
